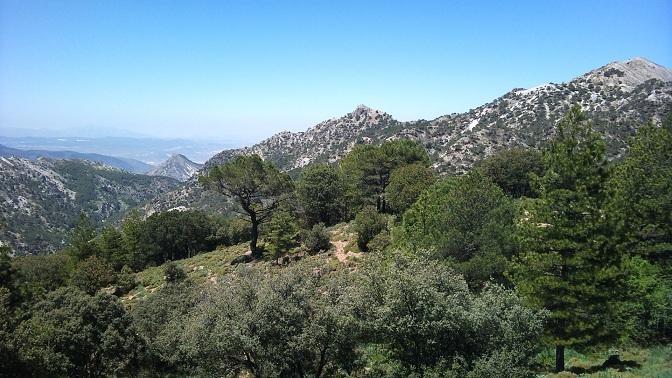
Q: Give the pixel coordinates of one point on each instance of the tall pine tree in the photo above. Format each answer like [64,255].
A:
[567,263]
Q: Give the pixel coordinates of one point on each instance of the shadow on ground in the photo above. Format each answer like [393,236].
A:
[613,362]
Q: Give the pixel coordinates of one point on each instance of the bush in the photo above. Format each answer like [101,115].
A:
[367,224]
[406,185]
[379,242]
[125,280]
[93,274]
[173,273]
[316,239]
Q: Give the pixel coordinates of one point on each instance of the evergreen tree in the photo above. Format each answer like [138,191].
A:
[283,232]
[258,187]
[406,185]
[320,193]
[567,263]
[642,206]
[367,168]
[81,243]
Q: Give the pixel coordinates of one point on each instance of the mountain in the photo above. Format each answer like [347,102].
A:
[148,150]
[618,98]
[40,200]
[177,167]
[130,165]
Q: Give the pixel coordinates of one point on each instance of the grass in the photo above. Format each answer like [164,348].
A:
[210,266]
[654,362]
[200,269]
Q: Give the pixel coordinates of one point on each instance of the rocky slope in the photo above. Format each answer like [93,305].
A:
[177,167]
[618,97]
[40,201]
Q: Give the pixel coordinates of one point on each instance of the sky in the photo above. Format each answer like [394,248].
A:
[244,70]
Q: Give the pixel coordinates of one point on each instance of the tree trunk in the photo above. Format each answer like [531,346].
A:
[559,358]
[256,253]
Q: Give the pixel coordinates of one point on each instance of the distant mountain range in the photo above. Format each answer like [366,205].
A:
[130,165]
[40,200]
[151,151]
[177,167]
[618,97]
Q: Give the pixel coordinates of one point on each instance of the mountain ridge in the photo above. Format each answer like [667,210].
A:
[41,200]
[618,97]
[127,164]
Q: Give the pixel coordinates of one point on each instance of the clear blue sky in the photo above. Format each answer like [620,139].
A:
[247,69]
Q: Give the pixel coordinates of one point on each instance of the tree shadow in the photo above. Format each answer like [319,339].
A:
[613,362]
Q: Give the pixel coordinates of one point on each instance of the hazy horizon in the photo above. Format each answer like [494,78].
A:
[242,72]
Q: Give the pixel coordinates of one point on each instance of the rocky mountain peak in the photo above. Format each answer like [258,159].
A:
[177,166]
[628,74]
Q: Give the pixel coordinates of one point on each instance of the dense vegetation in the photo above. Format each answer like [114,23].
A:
[477,275]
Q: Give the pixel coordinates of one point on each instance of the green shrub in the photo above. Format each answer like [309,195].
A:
[367,224]
[316,239]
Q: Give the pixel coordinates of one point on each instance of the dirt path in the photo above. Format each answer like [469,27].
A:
[340,253]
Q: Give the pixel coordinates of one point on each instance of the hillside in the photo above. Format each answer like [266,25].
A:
[618,97]
[177,166]
[40,201]
[130,165]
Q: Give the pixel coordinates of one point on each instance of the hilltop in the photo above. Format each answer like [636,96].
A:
[177,166]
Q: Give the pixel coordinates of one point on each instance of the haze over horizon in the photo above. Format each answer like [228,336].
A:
[246,71]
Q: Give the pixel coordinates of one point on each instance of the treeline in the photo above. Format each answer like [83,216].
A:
[466,275]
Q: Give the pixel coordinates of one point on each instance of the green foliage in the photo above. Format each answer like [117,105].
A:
[232,231]
[467,220]
[173,273]
[316,239]
[258,187]
[320,191]
[427,320]
[641,204]
[646,315]
[566,262]
[283,232]
[125,280]
[511,169]
[81,243]
[72,334]
[642,195]
[110,246]
[367,224]
[160,320]
[93,274]
[178,234]
[161,237]
[37,275]
[367,168]
[406,185]
[379,242]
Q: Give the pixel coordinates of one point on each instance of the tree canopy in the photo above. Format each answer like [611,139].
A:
[256,184]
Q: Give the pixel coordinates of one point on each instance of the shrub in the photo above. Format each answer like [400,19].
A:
[93,274]
[367,224]
[317,238]
[173,273]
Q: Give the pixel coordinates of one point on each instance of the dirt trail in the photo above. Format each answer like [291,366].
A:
[340,253]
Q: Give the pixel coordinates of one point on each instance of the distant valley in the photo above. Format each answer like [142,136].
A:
[40,201]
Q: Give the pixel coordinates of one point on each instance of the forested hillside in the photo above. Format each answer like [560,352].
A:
[41,200]
[533,262]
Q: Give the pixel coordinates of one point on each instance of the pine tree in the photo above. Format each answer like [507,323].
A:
[567,263]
